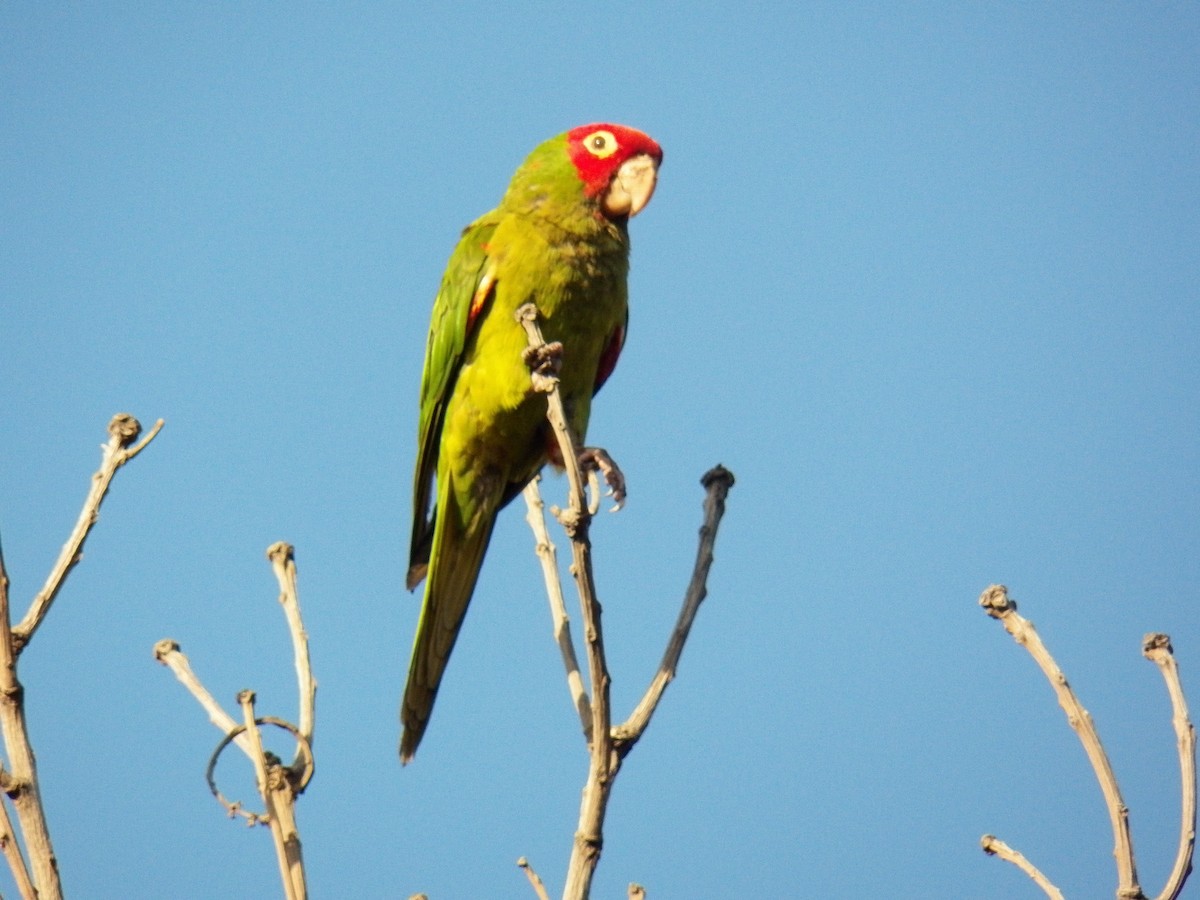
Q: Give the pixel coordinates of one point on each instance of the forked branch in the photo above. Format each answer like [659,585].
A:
[278,785]
[607,746]
[1156,647]
[123,431]
[40,878]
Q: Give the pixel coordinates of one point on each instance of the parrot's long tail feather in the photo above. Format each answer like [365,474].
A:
[456,558]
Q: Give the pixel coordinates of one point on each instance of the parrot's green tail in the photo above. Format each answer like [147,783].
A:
[455,560]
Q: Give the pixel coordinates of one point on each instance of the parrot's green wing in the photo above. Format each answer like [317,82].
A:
[466,286]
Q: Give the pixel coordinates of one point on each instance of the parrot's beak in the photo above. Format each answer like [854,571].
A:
[632,187]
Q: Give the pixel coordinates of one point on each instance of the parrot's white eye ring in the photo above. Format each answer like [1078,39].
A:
[601,144]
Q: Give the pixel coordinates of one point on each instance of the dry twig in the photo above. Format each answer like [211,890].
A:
[1157,649]
[548,557]
[123,430]
[993,846]
[717,482]
[538,887]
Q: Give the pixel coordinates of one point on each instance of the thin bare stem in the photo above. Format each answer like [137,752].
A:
[12,720]
[997,604]
[279,799]
[123,430]
[993,846]
[717,482]
[1157,648]
[538,887]
[11,848]
[548,557]
[283,561]
[578,515]
[168,653]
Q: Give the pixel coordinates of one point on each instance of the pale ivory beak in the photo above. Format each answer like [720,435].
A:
[632,187]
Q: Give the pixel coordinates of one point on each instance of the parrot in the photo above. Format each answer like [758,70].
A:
[558,239]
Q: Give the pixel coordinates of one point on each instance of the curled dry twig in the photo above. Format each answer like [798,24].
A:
[607,745]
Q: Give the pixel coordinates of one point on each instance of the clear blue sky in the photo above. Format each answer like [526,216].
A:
[923,276]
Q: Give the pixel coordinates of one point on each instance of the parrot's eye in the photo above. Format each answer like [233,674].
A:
[601,144]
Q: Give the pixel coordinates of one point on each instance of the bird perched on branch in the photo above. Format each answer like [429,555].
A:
[559,240]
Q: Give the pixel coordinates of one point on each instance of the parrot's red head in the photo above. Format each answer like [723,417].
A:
[616,164]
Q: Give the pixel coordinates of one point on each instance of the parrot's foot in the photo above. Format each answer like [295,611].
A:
[595,460]
[544,361]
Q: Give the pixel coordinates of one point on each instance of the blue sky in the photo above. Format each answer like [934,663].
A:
[923,276]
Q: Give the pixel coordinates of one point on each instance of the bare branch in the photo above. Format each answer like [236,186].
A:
[993,846]
[12,854]
[12,697]
[22,784]
[1157,649]
[283,561]
[717,482]
[123,430]
[278,784]
[548,557]
[168,653]
[538,887]
[997,604]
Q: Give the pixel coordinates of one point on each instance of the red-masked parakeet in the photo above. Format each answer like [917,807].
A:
[558,239]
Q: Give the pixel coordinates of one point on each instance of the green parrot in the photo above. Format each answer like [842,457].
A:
[558,239]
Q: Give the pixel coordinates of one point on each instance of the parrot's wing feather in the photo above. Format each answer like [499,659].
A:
[612,352]
[465,289]
[459,547]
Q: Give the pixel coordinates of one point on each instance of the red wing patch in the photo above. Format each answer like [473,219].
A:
[480,299]
[608,359]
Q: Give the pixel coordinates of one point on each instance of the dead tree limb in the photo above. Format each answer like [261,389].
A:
[19,779]
[607,747]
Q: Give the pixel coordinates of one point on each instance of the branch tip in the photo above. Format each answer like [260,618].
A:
[163,648]
[996,602]
[124,429]
[1156,643]
[281,551]
[718,474]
